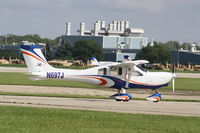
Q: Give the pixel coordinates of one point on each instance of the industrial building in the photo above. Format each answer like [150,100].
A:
[191,56]
[117,38]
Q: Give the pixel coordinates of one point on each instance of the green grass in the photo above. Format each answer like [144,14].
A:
[12,65]
[192,84]
[84,67]
[24,65]
[15,119]
[185,84]
[177,71]
[72,67]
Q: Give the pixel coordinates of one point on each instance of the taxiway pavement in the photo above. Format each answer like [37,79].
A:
[136,93]
[137,106]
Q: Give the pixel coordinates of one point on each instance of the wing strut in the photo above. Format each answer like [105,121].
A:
[129,71]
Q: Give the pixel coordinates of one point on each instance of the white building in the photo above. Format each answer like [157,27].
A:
[117,38]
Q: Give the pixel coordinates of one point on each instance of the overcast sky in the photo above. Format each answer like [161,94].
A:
[162,20]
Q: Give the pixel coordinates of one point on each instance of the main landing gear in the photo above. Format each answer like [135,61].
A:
[121,95]
[155,97]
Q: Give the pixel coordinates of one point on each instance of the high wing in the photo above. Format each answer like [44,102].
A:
[130,63]
[127,62]
[123,64]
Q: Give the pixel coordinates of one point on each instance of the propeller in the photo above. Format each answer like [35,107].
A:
[173,77]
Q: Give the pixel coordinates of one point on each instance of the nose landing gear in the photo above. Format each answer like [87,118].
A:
[155,97]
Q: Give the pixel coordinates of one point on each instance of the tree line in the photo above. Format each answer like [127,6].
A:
[160,52]
[10,39]
[82,50]
[155,54]
[175,45]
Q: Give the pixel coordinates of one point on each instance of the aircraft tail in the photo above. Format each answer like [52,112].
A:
[34,58]
[94,61]
[126,58]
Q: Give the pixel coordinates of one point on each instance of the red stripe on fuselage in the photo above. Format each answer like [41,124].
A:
[103,81]
[142,83]
[33,56]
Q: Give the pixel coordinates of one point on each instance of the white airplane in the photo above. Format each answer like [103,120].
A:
[128,74]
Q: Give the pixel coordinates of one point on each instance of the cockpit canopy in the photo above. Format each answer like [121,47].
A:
[122,71]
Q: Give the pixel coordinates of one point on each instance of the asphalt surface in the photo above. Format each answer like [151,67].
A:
[144,107]
[136,93]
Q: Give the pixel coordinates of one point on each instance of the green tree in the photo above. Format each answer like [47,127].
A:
[84,49]
[32,38]
[155,54]
[8,54]
[185,46]
[10,39]
[64,51]
[48,51]
[174,45]
[170,45]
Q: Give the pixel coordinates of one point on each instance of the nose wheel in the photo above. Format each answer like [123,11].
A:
[155,97]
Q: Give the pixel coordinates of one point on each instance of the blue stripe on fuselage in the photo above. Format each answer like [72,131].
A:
[118,83]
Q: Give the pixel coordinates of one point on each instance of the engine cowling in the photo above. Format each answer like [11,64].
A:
[154,97]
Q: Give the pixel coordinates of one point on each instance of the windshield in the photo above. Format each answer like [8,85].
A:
[141,68]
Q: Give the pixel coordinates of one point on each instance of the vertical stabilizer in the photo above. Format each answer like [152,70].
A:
[34,58]
[94,61]
[126,58]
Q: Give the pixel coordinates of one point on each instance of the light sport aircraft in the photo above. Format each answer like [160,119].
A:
[128,74]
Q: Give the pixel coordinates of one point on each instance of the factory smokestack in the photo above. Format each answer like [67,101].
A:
[68,28]
[82,29]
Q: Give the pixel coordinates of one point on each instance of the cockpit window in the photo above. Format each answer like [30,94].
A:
[138,73]
[103,71]
[140,67]
[119,71]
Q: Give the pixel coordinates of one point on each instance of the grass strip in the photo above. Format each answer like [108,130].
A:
[48,120]
[56,66]
[85,67]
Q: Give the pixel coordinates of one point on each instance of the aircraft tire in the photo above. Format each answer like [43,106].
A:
[118,100]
